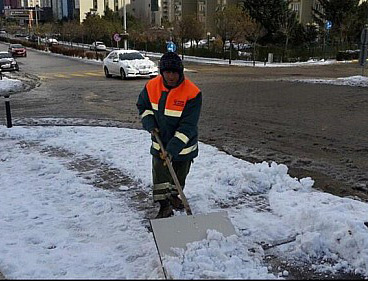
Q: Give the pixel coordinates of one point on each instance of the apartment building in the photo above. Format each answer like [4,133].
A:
[147,11]
[303,9]
[152,12]
[25,10]
[207,10]
[99,6]
[65,9]
[173,10]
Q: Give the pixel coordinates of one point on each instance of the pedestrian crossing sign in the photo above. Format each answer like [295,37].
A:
[171,47]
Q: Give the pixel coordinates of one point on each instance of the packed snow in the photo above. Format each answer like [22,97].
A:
[7,86]
[57,222]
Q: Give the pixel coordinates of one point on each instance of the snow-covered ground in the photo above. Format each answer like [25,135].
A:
[56,223]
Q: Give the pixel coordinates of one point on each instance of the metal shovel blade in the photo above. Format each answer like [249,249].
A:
[176,232]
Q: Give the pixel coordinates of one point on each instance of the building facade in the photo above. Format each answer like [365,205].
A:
[151,12]
[303,9]
[99,6]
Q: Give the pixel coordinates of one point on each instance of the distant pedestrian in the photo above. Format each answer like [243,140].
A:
[170,104]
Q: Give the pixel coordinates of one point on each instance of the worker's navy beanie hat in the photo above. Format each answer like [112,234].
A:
[171,62]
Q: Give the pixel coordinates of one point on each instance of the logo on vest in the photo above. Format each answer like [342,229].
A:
[179,103]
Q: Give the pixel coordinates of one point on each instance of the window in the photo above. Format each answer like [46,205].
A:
[5,55]
[112,56]
[131,56]
[295,7]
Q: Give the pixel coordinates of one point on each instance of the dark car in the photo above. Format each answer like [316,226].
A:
[7,62]
[33,38]
[17,50]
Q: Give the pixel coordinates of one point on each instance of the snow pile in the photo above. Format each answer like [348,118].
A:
[215,257]
[357,81]
[8,86]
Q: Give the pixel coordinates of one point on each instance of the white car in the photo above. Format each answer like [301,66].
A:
[129,63]
[52,41]
[190,44]
[98,46]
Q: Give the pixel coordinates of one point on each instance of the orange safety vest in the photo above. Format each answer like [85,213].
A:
[177,98]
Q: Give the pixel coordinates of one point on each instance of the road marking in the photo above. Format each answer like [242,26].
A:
[71,75]
[60,76]
[93,74]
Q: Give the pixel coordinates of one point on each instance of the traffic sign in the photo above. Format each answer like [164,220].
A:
[117,37]
[328,25]
[171,47]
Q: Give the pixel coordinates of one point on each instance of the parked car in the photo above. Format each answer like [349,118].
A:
[20,35]
[97,46]
[129,63]
[33,38]
[190,44]
[7,62]
[17,50]
[52,41]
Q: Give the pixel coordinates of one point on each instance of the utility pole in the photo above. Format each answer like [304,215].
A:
[36,9]
[125,27]
[363,48]
[38,37]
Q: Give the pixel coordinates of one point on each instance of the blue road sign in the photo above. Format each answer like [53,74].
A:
[328,25]
[171,47]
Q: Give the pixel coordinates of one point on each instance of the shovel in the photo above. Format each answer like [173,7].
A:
[178,231]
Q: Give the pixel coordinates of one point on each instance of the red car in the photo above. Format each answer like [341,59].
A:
[17,50]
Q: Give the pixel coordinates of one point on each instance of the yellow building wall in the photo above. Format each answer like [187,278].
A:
[87,5]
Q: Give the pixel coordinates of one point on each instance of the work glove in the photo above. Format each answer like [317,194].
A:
[164,155]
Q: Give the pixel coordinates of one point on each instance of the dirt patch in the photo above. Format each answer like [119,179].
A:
[318,131]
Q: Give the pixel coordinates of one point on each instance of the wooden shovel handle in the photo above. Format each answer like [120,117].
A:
[173,174]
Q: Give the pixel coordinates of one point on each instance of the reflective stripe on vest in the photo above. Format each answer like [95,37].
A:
[181,137]
[146,112]
[184,151]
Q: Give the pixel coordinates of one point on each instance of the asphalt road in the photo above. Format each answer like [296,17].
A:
[256,114]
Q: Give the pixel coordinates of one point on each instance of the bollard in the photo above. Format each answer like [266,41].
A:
[8,114]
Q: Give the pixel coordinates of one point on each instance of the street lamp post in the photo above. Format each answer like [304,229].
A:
[125,34]
[36,9]
[171,29]
[208,40]
[38,37]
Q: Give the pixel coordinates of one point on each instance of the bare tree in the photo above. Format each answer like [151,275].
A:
[288,24]
[94,27]
[253,31]
[230,22]
[189,28]
[71,30]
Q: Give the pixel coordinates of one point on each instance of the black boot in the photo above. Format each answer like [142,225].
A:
[165,210]
[176,203]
